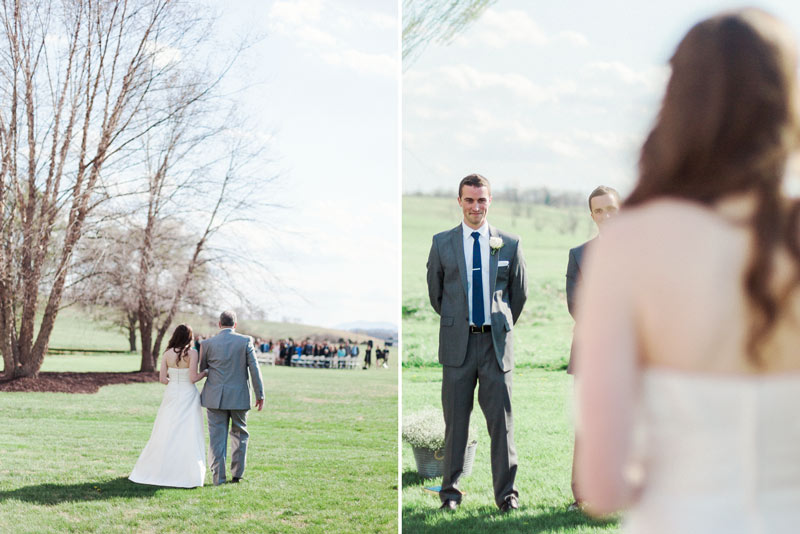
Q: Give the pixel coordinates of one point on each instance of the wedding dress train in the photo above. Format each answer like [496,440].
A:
[175,454]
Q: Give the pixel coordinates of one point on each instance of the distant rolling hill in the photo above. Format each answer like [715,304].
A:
[381,330]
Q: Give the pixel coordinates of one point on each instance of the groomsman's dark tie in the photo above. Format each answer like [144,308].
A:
[477,282]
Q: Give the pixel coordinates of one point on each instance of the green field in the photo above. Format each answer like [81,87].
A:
[322,456]
[542,391]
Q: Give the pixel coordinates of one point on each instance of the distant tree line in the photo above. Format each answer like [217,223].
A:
[536,195]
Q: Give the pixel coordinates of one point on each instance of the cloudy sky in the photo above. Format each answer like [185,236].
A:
[556,94]
[322,82]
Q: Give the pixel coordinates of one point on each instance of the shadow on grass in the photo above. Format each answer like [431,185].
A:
[481,519]
[489,519]
[411,478]
[88,491]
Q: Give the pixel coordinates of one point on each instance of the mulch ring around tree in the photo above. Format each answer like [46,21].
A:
[75,382]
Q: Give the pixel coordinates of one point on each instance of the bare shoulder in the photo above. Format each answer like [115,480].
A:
[678,210]
[658,221]
[170,357]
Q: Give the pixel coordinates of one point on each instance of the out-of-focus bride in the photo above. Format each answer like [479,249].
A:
[688,329]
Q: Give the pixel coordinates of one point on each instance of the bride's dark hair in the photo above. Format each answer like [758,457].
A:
[181,341]
[727,125]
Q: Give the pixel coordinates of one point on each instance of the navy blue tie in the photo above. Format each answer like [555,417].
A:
[477,282]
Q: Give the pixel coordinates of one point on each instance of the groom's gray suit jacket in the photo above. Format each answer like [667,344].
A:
[228,356]
[448,290]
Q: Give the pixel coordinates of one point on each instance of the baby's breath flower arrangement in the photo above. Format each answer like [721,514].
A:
[425,429]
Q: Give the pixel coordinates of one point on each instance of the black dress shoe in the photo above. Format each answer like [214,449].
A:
[449,505]
[235,480]
[510,503]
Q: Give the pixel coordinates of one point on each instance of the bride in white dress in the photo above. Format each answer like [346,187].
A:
[688,326]
[175,454]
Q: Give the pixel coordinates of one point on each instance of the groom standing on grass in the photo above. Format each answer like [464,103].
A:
[477,284]
[229,356]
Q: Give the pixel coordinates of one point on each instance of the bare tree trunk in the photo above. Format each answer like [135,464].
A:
[132,320]
[146,332]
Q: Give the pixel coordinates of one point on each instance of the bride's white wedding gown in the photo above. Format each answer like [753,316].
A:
[719,454]
[175,454]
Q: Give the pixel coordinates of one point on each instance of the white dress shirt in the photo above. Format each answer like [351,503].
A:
[468,246]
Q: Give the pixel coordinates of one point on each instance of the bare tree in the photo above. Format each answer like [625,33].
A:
[199,174]
[105,274]
[103,278]
[75,79]
[426,21]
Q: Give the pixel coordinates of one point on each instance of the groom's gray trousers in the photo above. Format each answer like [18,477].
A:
[494,397]
[218,442]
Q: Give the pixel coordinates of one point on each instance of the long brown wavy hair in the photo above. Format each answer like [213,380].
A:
[727,125]
[181,341]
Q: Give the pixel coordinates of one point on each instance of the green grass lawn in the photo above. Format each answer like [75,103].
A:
[542,394]
[542,403]
[322,455]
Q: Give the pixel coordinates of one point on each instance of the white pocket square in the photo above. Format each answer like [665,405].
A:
[502,263]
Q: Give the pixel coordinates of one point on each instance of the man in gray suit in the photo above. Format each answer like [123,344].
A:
[603,204]
[477,284]
[229,356]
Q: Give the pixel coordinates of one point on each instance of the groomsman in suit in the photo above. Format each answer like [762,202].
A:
[477,284]
[603,204]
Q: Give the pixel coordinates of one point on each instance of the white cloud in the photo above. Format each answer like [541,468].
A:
[444,81]
[608,140]
[651,78]
[498,29]
[162,55]
[618,69]
[574,38]
[565,147]
[382,21]
[296,12]
[318,27]
[380,64]
[312,35]
[467,140]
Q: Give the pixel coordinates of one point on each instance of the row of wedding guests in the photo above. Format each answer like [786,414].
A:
[285,350]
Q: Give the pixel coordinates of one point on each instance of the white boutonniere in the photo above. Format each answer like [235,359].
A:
[495,243]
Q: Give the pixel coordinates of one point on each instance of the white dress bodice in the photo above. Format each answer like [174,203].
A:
[178,375]
[717,453]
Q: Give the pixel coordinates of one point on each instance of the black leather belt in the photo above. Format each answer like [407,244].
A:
[479,329]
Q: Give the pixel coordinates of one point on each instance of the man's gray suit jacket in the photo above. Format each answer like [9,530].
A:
[573,281]
[448,290]
[229,356]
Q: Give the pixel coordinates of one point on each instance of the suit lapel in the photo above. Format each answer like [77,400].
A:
[492,264]
[457,240]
